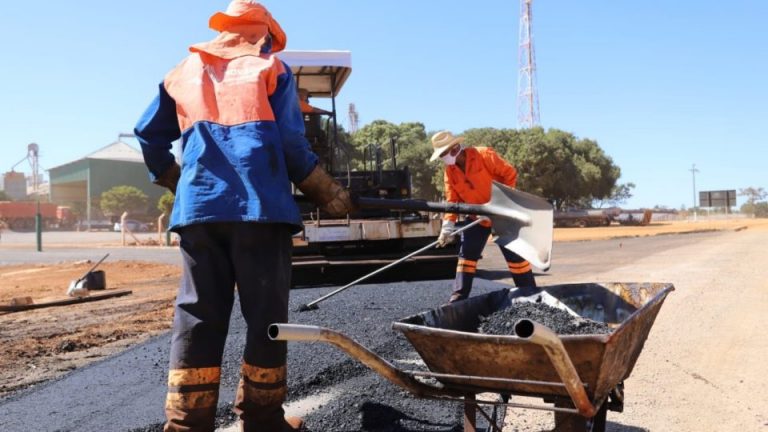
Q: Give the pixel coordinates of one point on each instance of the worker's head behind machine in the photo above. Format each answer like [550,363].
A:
[306,108]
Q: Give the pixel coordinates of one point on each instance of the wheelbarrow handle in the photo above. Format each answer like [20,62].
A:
[543,336]
[309,333]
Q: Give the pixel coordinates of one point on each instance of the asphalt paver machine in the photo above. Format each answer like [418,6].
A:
[331,250]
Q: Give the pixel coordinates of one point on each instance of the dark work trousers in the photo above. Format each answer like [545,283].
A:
[217,257]
[473,242]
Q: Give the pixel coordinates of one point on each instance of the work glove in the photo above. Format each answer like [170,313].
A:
[446,236]
[170,178]
[327,193]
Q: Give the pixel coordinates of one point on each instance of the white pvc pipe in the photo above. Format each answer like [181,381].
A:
[294,332]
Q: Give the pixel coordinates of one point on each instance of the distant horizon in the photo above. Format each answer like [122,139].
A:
[660,207]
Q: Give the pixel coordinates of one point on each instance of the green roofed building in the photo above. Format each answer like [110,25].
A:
[80,183]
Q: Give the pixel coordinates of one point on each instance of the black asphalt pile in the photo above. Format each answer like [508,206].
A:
[338,373]
[391,411]
[224,417]
[502,322]
[368,402]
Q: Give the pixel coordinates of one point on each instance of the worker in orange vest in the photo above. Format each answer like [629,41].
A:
[306,108]
[233,104]
[469,173]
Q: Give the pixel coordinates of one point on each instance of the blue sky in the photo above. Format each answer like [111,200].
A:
[659,85]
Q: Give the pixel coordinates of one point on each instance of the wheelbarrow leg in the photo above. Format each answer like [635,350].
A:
[470,413]
[565,422]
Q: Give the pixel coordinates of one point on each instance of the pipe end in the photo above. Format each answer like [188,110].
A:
[273,331]
[524,328]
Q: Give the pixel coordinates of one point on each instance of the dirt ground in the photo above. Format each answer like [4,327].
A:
[703,364]
[45,343]
[656,228]
[41,344]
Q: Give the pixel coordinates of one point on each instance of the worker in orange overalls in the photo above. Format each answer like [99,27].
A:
[306,108]
[233,104]
[469,172]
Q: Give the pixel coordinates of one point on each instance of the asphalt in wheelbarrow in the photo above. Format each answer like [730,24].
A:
[502,322]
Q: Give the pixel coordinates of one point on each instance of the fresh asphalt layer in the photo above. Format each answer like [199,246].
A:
[126,392]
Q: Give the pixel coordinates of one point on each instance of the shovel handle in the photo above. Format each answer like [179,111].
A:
[411,204]
[94,267]
[392,264]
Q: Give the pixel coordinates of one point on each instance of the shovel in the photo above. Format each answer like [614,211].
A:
[522,223]
[77,287]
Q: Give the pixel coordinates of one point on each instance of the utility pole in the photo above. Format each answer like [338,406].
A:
[33,151]
[527,96]
[693,171]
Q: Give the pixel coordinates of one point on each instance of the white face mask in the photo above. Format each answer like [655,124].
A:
[450,159]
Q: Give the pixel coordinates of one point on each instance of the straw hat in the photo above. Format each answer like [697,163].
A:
[441,142]
[249,12]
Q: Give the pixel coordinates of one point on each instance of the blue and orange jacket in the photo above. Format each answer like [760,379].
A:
[239,154]
[473,186]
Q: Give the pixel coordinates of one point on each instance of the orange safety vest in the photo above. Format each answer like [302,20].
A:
[473,185]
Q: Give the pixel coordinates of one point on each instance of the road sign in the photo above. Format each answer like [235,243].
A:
[722,198]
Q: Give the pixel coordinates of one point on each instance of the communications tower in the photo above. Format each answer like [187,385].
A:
[527,96]
[352,118]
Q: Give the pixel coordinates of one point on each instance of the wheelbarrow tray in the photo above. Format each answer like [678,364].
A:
[448,341]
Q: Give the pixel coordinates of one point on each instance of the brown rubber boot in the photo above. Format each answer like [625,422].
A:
[293,423]
[259,401]
[190,405]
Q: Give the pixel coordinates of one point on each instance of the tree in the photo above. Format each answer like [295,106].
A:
[619,195]
[4,196]
[412,150]
[345,152]
[123,198]
[165,203]
[761,210]
[754,196]
[554,164]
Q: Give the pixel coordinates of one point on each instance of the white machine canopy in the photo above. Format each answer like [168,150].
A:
[322,73]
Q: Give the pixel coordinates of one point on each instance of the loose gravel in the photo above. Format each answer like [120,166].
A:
[502,322]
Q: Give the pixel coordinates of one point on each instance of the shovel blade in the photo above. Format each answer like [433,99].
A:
[77,289]
[523,224]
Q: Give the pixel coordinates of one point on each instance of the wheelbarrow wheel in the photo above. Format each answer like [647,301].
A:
[576,423]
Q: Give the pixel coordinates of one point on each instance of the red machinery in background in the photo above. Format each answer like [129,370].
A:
[20,215]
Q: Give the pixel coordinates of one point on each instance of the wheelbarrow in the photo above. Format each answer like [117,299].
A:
[578,377]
